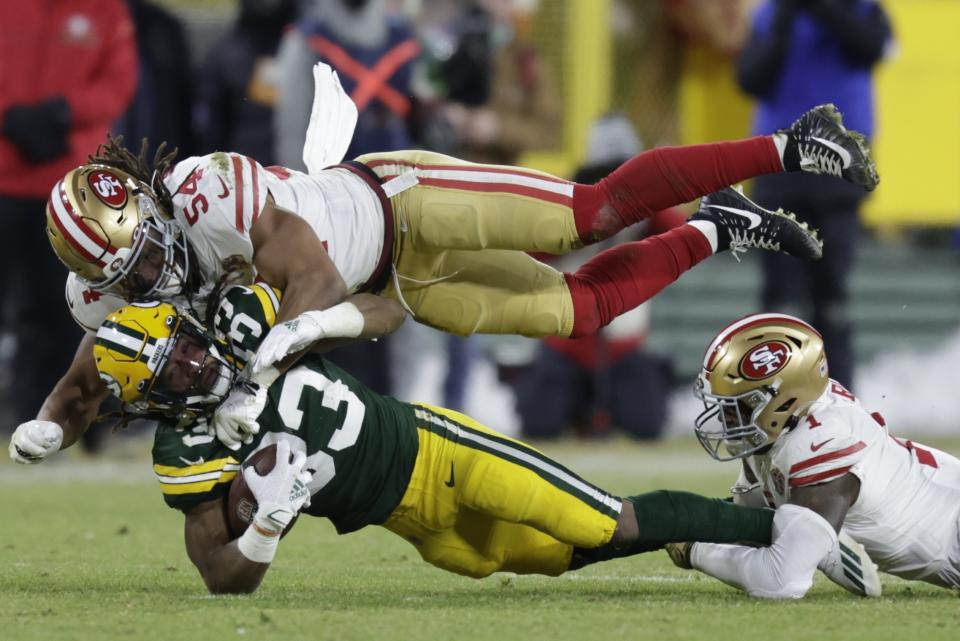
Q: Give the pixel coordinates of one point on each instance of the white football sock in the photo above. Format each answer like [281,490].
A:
[708,229]
[780,140]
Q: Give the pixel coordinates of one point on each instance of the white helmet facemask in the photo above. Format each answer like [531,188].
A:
[731,421]
[156,267]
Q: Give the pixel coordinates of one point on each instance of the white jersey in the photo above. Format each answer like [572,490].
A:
[218,197]
[90,308]
[906,515]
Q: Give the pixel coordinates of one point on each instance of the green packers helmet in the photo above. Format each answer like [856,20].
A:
[105,225]
[759,376]
[159,360]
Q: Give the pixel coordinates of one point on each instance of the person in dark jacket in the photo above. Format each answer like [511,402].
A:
[802,53]
[163,103]
[237,88]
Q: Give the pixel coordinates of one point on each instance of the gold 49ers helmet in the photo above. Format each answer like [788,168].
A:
[157,359]
[759,376]
[106,226]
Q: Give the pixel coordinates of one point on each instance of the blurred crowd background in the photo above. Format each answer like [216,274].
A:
[573,87]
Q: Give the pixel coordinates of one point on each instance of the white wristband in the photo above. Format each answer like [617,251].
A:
[257,546]
[340,321]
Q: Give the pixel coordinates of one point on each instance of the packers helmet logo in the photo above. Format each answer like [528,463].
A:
[108,188]
[764,360]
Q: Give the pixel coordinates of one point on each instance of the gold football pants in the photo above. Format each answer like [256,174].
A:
[479,502]
[461,233]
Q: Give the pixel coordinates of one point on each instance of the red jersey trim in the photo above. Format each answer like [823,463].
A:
[799,481]
[378,279]
[829,456]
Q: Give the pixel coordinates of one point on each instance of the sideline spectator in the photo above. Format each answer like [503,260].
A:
[238,87]
[803,53]
[163,103]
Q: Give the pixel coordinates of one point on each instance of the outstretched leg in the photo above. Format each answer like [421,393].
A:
[816,143]
[649,521]
[444,203]
[619,279]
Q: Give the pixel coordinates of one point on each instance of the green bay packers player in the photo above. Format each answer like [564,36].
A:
[471,501]
[445,238]
[810,449]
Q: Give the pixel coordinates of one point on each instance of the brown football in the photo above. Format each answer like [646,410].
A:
[241,506]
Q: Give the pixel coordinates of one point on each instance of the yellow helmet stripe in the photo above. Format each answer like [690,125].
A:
[128,341]
[268,301]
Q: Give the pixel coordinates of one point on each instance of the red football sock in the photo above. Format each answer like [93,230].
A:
[619,279]
[665,177]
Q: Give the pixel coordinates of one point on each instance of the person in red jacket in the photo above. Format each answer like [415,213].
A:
[69,70]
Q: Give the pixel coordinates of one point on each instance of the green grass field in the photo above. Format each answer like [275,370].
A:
[88,550]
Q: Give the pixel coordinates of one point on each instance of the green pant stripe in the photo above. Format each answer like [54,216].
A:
[542,466]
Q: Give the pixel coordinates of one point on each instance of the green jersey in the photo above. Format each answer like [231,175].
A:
[360,446]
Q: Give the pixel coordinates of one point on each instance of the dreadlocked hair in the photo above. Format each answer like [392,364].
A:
[116,155]
[235,270]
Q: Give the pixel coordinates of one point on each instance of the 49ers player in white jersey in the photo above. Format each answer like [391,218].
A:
[453,236]
[810,450]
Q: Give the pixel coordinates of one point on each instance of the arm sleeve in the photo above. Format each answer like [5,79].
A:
[785,569]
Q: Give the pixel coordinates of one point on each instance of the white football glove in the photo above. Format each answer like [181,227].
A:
[34,441]
[235,420]
[849,566]
[340,321]
[282,493]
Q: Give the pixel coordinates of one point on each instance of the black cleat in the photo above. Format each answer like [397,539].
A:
[742,224]
[819,143]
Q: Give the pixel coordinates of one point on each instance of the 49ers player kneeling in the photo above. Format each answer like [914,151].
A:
[811,450]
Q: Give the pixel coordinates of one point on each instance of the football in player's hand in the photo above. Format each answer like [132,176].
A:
[241,504]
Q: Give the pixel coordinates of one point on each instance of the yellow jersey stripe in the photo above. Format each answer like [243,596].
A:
[198,487]
[200,468]
[268,301]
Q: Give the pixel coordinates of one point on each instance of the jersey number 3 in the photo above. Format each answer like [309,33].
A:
[334,394]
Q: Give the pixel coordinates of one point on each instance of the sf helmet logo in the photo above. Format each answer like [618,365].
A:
[108,188]
[764,360]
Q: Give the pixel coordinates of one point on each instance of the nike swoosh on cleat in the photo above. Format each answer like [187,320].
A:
[754,219]
[844,154]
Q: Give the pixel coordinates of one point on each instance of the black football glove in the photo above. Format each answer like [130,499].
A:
[39,130]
